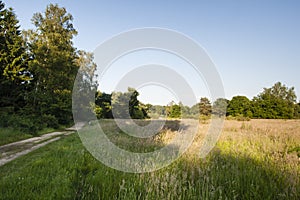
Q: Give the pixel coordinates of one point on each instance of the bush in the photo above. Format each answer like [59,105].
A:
[27,124]
[5,113]
[50,121]
[242,118]
[204,119]
[4,120]
[230,117]
[238,118]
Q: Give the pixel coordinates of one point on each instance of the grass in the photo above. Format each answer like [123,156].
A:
[255,159]
[9,135]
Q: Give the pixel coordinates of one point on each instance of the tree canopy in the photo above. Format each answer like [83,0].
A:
[120,105]
[239,105]
[279,101]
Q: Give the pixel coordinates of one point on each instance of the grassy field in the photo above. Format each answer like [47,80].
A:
[257,159]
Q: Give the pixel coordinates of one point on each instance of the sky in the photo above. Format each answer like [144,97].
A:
[253,44]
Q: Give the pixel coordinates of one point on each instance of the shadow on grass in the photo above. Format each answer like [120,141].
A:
[242,177]
[220,176]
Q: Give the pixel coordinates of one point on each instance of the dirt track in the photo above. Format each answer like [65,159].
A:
[14,150]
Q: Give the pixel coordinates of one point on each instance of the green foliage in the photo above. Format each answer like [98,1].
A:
[174,110]
[27,124]
[205,106]
[219,107]
[103,105]
[242,118]
[54,65]
[50,121]
[239,106]
[13,60]
[195,110]
[297,111]
[156,111]
[120,105]
[277,102]
[13,57]
[37,75]
[85,87]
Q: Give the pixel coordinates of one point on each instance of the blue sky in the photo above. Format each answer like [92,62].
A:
[253,43]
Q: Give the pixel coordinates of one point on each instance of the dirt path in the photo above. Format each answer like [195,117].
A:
[14,150]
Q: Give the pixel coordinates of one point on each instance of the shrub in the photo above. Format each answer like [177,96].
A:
[4,120]
[242,118]
[26,124]
[50,121]
[230,117]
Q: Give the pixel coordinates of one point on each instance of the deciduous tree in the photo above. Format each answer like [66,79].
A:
[275,102]
[54,65]
[239,106]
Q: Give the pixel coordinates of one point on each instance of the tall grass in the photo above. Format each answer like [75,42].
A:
[252,160]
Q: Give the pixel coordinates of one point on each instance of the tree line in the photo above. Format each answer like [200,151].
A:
[277,102]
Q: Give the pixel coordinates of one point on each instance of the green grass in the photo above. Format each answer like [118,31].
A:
[9,135]
[237,168]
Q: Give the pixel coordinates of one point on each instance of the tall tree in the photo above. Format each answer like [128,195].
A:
[13,60]
[54,65]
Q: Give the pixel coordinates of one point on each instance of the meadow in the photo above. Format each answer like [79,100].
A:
[257,159]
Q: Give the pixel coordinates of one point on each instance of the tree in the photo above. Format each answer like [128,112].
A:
[185,110]
[275,102]
[239,105]
[54,65]
[205,106]
[174,110]
[13,60]
[126,105]
[220,107]
[195,110]
[156,111]
[85,88]
[297,111]
[103,105]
